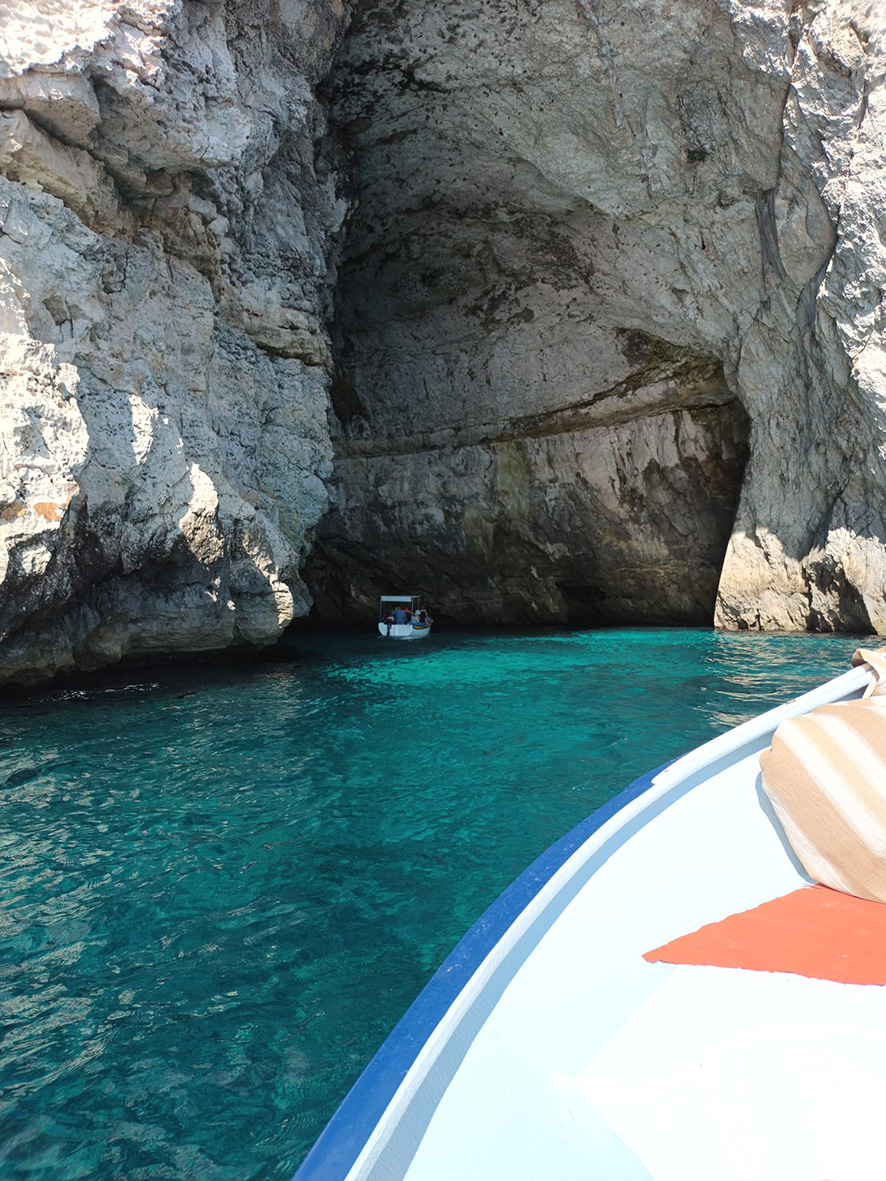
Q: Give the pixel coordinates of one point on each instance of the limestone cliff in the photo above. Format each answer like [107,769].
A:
[603,247]
[606,340]
[168,206]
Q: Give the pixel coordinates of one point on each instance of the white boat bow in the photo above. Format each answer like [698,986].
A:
[546,1046]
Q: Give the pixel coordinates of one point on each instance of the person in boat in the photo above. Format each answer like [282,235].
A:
[423,615]
[399,615]
[408,614]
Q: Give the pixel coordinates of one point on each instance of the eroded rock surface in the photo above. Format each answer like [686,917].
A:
[613,507]
[168,206]
[541,184]
[608,337]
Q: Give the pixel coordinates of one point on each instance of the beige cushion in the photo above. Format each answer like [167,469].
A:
[875,660]
[825,774]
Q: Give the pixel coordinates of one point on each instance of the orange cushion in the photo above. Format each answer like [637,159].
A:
[813,932]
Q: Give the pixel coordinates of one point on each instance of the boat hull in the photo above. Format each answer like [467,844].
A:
[404,631]
[547,1046]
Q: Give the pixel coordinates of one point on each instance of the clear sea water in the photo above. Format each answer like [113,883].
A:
[221,887]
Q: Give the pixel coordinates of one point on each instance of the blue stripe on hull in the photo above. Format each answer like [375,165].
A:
[343,1139]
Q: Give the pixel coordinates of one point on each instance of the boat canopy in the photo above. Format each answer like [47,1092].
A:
[386,603]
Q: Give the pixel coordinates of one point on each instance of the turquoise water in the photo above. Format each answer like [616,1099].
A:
[221,887]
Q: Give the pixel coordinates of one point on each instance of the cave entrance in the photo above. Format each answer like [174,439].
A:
[533,427]
[565,517]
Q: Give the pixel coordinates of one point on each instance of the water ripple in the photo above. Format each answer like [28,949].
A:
[220,888]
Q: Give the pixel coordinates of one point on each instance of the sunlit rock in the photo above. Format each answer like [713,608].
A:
[168,208]
[585,297]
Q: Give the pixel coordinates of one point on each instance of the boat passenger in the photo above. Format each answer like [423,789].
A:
[399,615]
[423,615]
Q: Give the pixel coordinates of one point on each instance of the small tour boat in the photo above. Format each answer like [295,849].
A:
[586,1028]
[402,617]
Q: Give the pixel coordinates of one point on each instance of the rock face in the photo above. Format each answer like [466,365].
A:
[168,208]
[608,335]
[601,246]
[613,507]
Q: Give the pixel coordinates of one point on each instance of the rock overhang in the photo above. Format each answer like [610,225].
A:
[539,182]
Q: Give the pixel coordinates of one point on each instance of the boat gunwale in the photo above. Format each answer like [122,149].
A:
[373,1091]
[348,1135]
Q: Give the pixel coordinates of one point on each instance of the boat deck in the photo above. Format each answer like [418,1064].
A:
[570,1056]
[680,1073]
